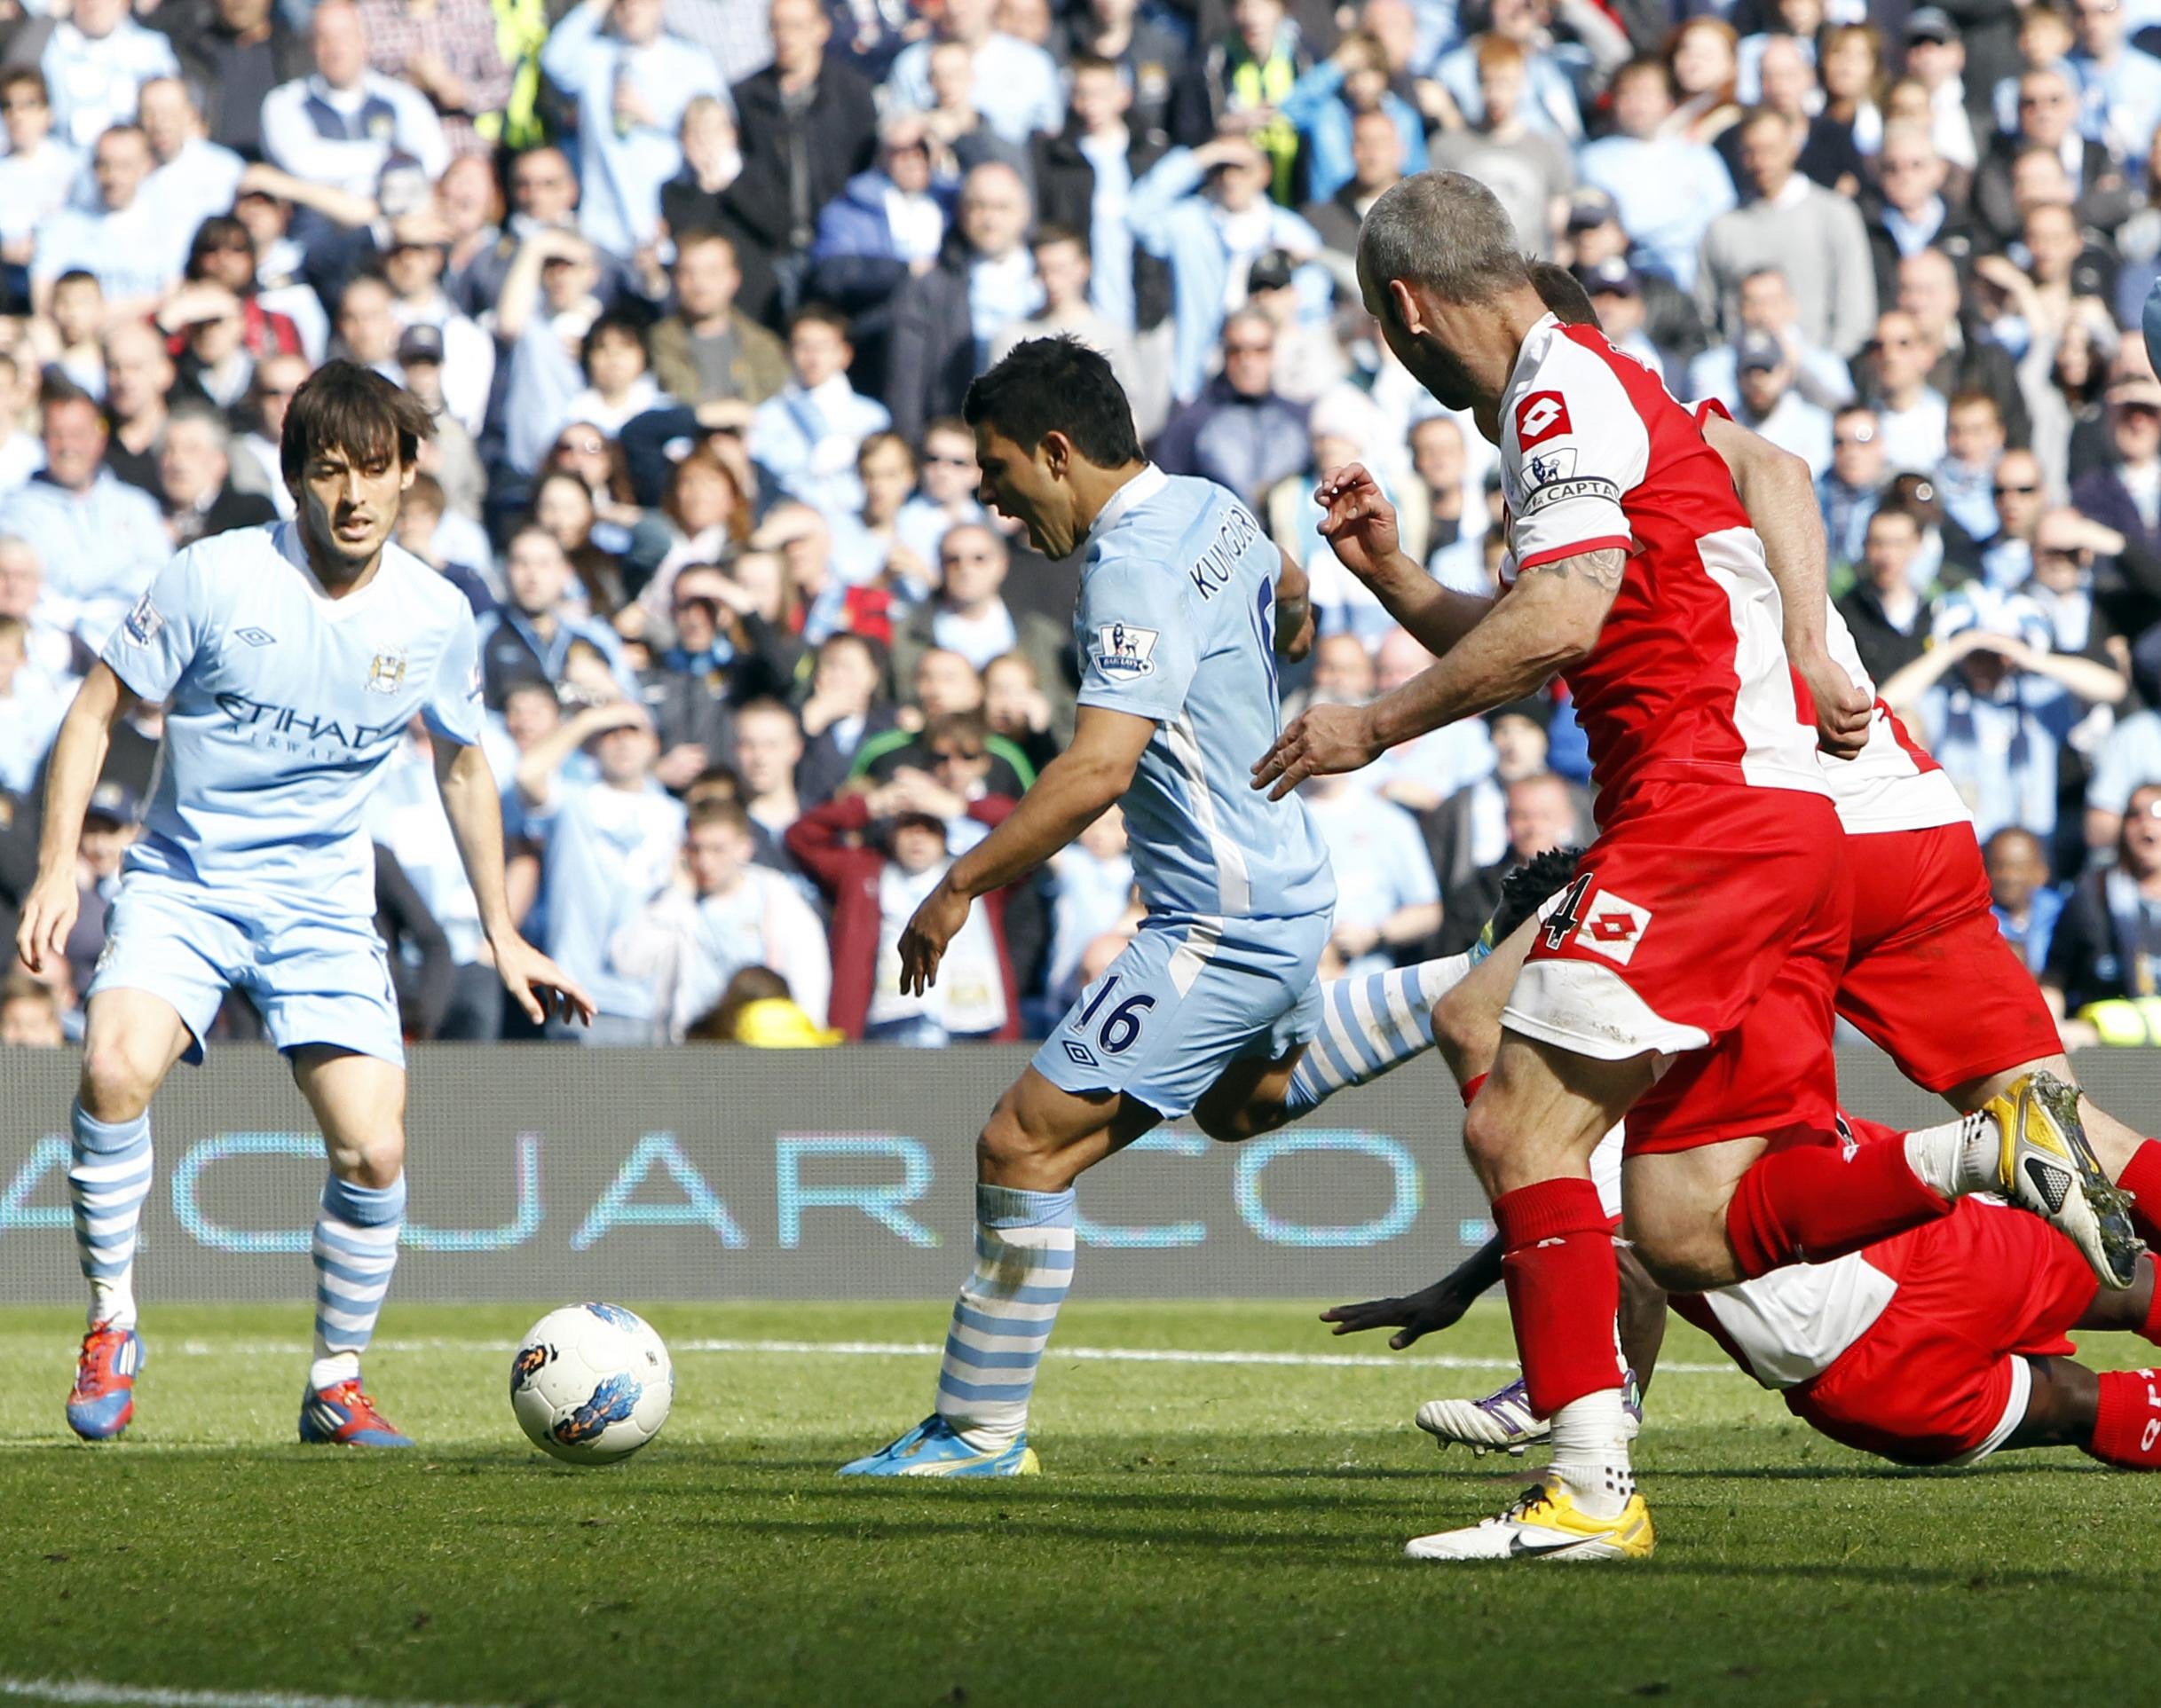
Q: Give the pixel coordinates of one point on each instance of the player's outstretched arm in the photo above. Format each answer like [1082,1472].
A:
[1072,792]
[1549,620]
[1780,495]
[1359,526]
[1427,1311]
[474,810]
[78,754]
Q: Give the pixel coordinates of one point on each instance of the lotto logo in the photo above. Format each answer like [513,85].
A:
[1613,928]
[1541,416]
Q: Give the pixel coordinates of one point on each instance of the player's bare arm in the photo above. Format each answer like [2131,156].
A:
[1071,793]
[1359,526]
[1780,495]
[1294,611]
[467,785]
[1551,620]
[78,754]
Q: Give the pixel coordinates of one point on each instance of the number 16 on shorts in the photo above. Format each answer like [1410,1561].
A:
[1121,1021]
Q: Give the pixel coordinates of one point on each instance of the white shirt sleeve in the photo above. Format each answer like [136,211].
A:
[1571,448]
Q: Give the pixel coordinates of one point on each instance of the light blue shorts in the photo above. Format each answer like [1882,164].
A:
[313,981]
[1183,1002]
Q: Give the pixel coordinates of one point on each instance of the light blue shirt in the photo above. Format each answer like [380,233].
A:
[1667,192]
[1380,859]
[622,171]
[606,852]
[1176,624]
[2121,105]
[405,815]
[808,442]
[2001,754]
[283,706]
[1549,102]
[141,250]
[100,548]
[203,179]
[30,714]
[94,81]
[1110,241]
[2128,760]
[33,188]
[1015,89]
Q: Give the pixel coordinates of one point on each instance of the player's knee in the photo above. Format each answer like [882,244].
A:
[1005,1141]
[1680,1258]
[114,1086]
[375,1162]
[1465,1033]
[1487,1143]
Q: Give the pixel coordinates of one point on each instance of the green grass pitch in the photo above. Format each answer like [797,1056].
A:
[1206,1532]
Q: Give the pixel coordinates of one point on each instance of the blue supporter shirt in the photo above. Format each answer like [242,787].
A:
[283,706]
[1176,624]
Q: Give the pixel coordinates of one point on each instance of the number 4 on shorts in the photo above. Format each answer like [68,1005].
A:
[1563,916]
[1121,1027]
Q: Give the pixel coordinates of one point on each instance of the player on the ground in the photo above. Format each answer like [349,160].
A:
[1689,974]
[292,658]
[1213,1010]
[1938,1346]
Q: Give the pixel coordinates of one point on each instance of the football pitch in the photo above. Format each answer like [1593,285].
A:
[1225,1491]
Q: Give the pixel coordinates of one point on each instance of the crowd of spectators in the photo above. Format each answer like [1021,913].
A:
[696,288]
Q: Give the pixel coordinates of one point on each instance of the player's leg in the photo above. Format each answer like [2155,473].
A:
[1932,983]
[360,1103]
[1530,1135]
[1369,1024]
[156,989]
[131,1039]
[1039,1140]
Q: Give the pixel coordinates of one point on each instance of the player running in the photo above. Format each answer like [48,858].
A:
[1688,975]
[1925,944]
[292,658]
[1213,1010]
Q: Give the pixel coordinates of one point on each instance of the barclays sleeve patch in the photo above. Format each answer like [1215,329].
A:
[143,623]
[1123,650]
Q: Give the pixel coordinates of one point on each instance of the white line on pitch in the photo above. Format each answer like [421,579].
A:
[932,1348]
[137,1695]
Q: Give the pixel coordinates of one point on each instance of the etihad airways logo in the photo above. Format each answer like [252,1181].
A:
[267,725]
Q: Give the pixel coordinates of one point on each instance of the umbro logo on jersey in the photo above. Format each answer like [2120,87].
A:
[1079,1054]
[1612,927]
[254,637]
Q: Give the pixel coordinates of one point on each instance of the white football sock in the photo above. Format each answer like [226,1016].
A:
[1590,1453]
[1957,1158]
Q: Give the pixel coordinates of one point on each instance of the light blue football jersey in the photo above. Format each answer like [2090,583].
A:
[282,707]
[1177,623]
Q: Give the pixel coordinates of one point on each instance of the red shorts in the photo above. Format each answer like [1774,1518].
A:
[1932,1378]
[1709,926]
[1928,979]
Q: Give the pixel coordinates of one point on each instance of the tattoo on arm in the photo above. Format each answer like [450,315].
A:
[1604,568]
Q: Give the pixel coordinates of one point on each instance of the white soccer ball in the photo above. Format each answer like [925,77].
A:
[591,1383]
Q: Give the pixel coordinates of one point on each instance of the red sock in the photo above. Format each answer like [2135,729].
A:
[2142,1178]
[1563,1289]
[2128,1424]
[1469,1087]
[2152,1330]
[1809,1203]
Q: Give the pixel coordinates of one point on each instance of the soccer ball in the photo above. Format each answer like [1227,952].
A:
[591,1383]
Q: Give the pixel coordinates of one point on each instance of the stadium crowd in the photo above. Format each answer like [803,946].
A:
[696,288]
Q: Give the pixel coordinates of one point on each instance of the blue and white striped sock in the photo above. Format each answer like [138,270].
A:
[1369,1023]
[108,1177]
[1003,1319]
[356,1248]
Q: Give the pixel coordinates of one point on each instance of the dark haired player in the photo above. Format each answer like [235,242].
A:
[1214,1010]
[291,659]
